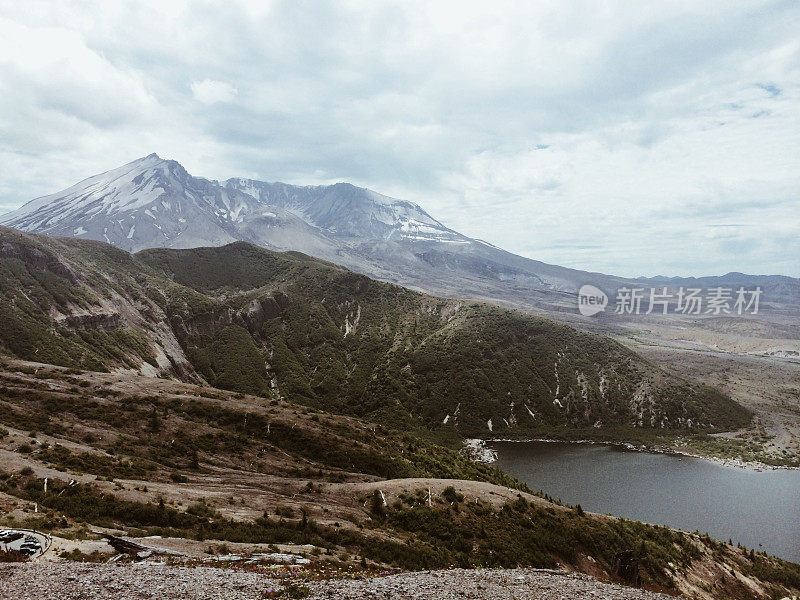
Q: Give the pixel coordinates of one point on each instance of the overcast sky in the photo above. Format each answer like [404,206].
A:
[631,138]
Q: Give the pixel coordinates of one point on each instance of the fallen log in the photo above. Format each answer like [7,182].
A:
[135,549]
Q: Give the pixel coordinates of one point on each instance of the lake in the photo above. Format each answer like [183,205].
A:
[759,509]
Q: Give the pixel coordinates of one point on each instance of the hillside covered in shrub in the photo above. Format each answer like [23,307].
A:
[285,325]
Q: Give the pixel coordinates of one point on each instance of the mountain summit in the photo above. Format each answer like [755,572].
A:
[153,202]
[148,202]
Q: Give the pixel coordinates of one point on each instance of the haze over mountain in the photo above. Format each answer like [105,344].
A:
[152,202]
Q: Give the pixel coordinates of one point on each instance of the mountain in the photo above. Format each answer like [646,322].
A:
[777,288]
[347,212]
[243,318]
[156,203]
[153,202]
[200,468]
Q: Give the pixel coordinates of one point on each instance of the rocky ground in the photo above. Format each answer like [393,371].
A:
[44,581]
[490,584]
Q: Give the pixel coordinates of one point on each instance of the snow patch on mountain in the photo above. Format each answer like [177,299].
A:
[120,190]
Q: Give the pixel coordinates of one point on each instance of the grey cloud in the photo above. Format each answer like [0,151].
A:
[431,104]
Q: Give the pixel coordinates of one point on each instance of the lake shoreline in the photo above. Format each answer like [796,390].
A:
[477,449]
[665,487]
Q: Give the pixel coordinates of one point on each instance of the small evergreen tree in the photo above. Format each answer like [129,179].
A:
[154,423]
[195,463]
[376,507]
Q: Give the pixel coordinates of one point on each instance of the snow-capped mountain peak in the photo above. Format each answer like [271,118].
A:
[113,190]
[156,202]
[148,202]
[347,211]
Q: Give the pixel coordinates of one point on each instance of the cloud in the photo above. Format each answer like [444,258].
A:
[541,127]
[210,92]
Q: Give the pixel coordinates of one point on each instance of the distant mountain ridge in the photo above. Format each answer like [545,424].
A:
[155,203]
[732,278]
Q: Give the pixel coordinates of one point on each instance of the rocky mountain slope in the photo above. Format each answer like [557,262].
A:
[177,583]
[156,203]
[243,318]
[207,473]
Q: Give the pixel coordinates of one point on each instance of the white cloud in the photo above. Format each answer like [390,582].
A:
[615,136]
[211,92]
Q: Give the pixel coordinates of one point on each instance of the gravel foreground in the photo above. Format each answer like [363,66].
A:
[68,581]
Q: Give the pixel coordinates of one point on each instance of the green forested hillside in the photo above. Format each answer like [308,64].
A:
[246,319]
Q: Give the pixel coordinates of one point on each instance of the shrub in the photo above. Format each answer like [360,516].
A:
[451,495]
[201,509]
[11,556]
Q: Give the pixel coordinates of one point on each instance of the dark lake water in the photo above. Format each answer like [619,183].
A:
[759,509]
